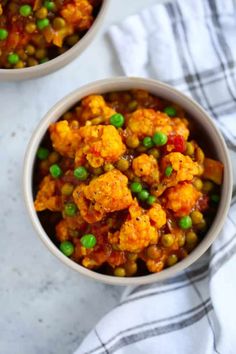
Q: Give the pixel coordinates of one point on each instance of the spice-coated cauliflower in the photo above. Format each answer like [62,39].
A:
[137,231]
[146,166]
[105,194]
[182,198]
[100,144]
[78,13]
[145,122]
[94,106]
[65,137]
[46,197]
[157,215]
[184,168]
[180,127]
[155,266]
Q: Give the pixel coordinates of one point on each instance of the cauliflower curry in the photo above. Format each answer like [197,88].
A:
[122,186]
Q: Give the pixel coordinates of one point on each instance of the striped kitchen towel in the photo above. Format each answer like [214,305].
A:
[190,44]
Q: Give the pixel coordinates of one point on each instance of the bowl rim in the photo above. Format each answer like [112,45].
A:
[102,86]
[62,59]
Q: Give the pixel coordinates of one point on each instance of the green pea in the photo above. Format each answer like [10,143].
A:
[167,240]
[197,217]
[215,198]
[198,184]
[117,120]
[160,139]
[154,152]
[70,209]
[122,165]
[170,111]
[185,222]
[44,60]
[147,142]
[88,241]
[81,173]
[25,10]
[13,58]
[132,142]
[191,238]
[172,260]
[119,272]
[168,171]
[143,195]
[136,187]
[50,5]
[42,153]
[189,149]
[55,171]
[3,34]
[67,248]
[202,226]
[97,171]
[132,105]
[108,167]
[42,23]
[151,199]
[67,189]
[207,186]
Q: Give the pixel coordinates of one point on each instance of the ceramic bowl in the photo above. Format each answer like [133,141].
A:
[201,120]
[61,60]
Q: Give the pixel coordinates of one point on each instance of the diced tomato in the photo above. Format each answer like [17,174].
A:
[203,203]
[178,142]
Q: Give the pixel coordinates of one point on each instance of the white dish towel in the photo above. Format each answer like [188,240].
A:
[190,44]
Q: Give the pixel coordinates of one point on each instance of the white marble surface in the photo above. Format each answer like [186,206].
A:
[45,308]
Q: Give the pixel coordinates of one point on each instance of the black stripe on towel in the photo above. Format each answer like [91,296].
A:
[189,77]
[191,312]
[200,296]
[159,330]
[225,48]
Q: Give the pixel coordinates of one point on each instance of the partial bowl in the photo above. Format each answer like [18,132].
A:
[61,60]
[215,142]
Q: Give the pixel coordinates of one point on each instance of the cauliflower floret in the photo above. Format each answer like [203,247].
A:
[157,214]
[136,232]
[155,266]
[145,122]
[94,106]
[184,168]
[65,137]
[182,198]
[146,167]
[78,13]
[101,144]
[46,197]
[85,206]
[105,194]
[180,127]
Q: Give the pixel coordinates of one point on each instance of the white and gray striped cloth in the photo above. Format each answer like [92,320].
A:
[190,44]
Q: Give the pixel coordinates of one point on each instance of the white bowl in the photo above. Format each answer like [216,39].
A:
[197,114]
[61,60]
